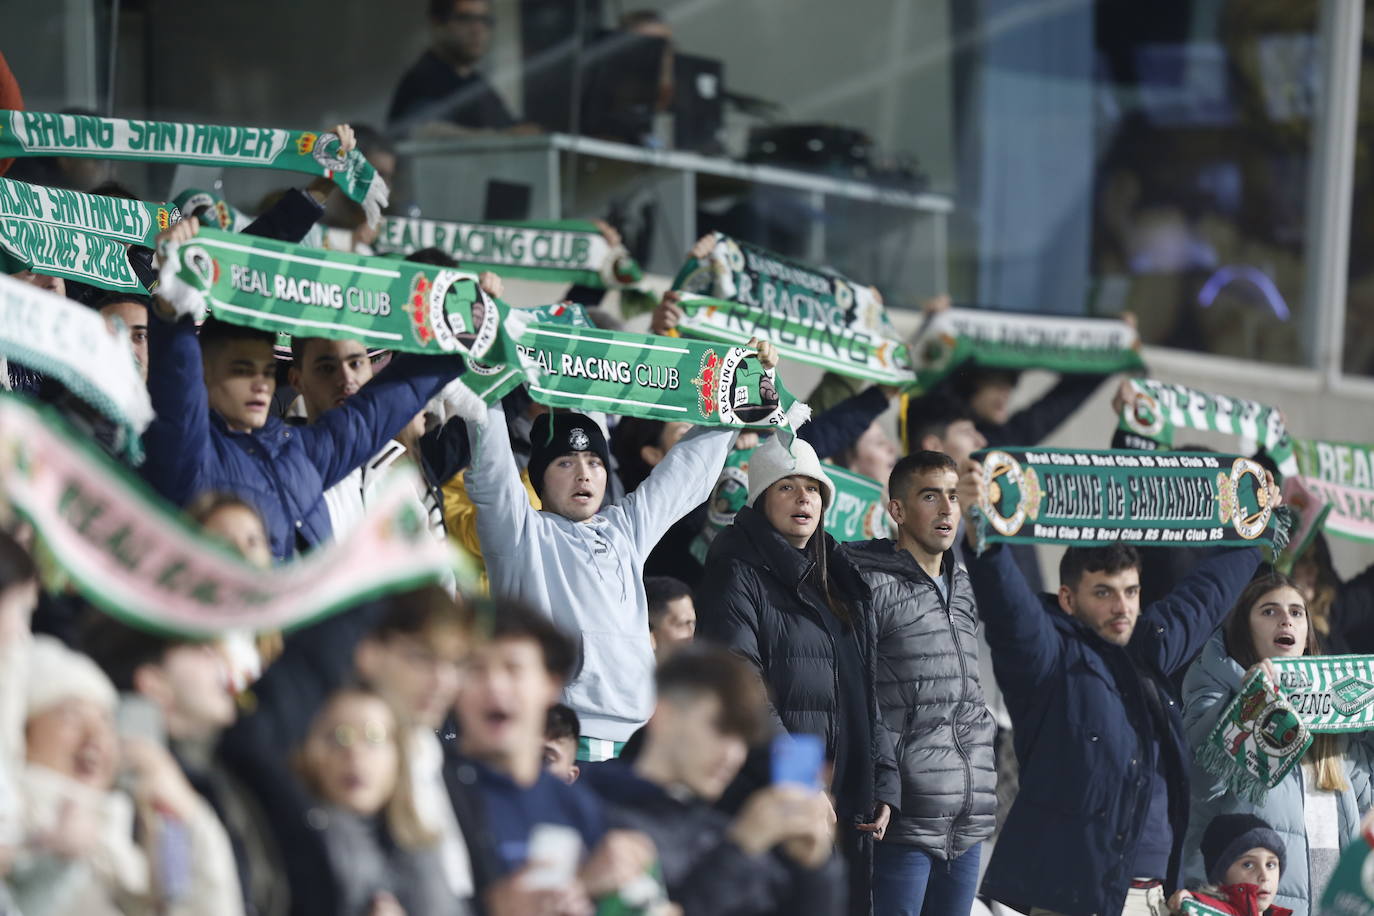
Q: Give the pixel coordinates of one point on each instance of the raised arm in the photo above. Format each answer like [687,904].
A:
[1172,630]
[1025,645]
[832,431]
[346,436]
[493,481]
[178,440]
[679,483]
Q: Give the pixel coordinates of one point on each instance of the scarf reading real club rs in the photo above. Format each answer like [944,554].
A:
[1089,498]
[37,133]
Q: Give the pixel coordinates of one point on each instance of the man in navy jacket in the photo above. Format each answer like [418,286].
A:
[213,430]
[1103,803]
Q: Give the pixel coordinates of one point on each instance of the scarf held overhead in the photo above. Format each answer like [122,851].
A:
[563,251]
[1087,498]
[37,133]
[68,342]
[1011,340]
[644,375]
[1156,409]
[1265,729]
[134,556]
[381,302]
[131,221]
[739,291]
[72,254]
[1341,474]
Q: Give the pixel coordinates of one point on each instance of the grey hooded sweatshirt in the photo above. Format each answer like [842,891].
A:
[588,576]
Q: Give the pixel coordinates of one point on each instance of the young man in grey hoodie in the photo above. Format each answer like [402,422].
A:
[583,564]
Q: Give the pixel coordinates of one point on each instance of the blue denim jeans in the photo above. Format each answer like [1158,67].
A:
[908,882]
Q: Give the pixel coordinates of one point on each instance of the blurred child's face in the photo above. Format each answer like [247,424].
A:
[241,529]
[505,698]
[560,759]
[418,674]
[352,753]
[76,738]
[193,686]
[240,378]
[1259,867]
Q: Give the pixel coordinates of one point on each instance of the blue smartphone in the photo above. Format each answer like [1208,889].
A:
[797,760]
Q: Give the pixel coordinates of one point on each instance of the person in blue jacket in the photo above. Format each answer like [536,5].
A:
[1098,826]
[214,431]
[1316,808]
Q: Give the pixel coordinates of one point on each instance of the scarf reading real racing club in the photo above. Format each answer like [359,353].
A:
[421,308]
[37,133]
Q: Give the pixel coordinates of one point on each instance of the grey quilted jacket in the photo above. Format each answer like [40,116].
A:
[930,700]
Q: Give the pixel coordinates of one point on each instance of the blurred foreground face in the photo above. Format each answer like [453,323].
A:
[240,528]
[196,681]
[352,755]
[135,318]
[54,285]
[75,738]
[707,758]
[419,675]
[505,699]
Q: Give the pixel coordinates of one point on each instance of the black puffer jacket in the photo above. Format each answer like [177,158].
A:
[930,698]
[752,600]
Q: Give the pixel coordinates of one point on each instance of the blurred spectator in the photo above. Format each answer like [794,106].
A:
[382,857]
[443,94]
[560,743]
[514,677]
[775,856]
[131,310]
[672,615]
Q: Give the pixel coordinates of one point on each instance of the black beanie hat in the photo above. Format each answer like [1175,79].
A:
[572,432]
[1230,836]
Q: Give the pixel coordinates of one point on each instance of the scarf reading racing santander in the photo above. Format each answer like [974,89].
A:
[1088,498]
[37,133]
[1266,728]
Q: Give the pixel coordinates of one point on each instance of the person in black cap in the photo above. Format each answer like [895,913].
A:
[1244,858]
[582,563]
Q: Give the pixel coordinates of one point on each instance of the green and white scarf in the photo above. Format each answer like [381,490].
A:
[1011,340]
[381,302]
[1341,474]
[644,375]
[1157,409]
[728,496]
[1350,892]
[131,221]
[69,253]
[1089,498]
[491,383]
[741,291]
[1193,907]
[56,337]
[226,215]
[37,133]
[561,251]
[1265,730]
[857,514]
[134,557]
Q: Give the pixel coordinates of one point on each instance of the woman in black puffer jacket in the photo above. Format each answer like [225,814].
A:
[777,591]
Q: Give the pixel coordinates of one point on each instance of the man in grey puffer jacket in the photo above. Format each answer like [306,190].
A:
[929,696]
